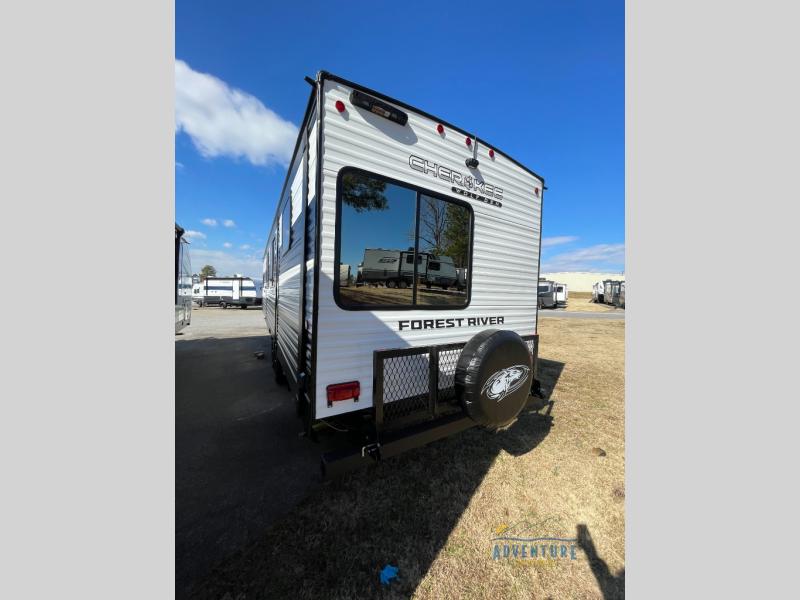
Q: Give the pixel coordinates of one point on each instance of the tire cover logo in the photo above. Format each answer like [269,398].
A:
[505,381]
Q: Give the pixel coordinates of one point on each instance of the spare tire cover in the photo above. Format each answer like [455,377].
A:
[493,377]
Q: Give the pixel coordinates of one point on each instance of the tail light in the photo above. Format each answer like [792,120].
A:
[343,391]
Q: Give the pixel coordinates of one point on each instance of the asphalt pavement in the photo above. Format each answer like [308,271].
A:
[240,463]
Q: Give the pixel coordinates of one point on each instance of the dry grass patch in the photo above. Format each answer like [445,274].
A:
[582,302]
[434,511]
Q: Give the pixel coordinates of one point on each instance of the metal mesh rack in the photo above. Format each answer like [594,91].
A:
[413,384]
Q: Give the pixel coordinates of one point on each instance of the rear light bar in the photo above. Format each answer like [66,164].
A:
[380,108]
[343,391]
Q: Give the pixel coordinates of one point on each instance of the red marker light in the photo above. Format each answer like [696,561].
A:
[491,153]
[440,128]
[469,141]
[343,391]
[340,106]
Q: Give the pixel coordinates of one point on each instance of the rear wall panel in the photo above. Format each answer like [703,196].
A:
[505,245]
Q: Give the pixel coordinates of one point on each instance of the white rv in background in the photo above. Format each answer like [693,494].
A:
[562,294]
[406,355]
[396,268]
[598,292]
[183,281]
[225,291]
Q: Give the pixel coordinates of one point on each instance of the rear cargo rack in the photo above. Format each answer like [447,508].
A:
[416,384]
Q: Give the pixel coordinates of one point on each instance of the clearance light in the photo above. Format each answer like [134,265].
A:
[440,128]
[343,391]
[491,153]
[468,141]
[340,106]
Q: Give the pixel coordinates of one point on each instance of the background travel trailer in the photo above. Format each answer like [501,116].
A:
[183,281]
[395,268]
[598,291]
[370,172]
[546,294]
[562,294]
[225,292]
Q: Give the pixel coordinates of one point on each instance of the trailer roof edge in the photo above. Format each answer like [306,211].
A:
[322,75]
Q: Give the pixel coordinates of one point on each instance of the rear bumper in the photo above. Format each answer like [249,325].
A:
[417,414]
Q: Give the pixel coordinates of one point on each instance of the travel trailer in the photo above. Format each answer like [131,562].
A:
[225,291]
[608,286]
[562,294]
[396,268]
[598,291]
[547,294]
[183,281]
[398,367]
[615,288]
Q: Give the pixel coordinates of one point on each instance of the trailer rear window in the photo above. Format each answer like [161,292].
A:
[404,247]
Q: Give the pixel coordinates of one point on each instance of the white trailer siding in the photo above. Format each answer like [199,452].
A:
[289,281]
[504,269]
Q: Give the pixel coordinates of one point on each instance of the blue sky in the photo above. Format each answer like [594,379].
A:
[543,81]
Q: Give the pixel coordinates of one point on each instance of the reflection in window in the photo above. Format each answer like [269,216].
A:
[378,245]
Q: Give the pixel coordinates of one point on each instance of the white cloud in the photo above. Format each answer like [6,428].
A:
[225,121]
[245,247]
[227,245]
[195,235]
[209,222]
[229,223]
[178,165]
[225,263]
[557,240]
[599,258]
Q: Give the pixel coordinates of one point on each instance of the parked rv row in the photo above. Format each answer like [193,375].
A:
[610,292]
[552,294]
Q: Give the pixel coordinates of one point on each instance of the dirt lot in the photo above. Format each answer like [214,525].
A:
[434,512]
[581,302]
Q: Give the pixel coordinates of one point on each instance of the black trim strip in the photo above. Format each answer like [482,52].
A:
[317,237]
[326,75]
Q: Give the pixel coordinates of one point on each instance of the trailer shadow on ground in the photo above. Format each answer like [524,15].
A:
[239,463]
[334,543]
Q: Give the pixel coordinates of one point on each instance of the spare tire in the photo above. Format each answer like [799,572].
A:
[493,377]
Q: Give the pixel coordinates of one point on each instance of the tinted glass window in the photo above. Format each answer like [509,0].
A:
[377,228]
[544,288]
[378,244]
[559,289]
[444,240]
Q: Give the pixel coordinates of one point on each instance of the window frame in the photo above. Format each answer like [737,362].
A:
[420,191]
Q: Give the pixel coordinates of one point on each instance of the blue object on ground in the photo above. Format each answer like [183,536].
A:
[388,573]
